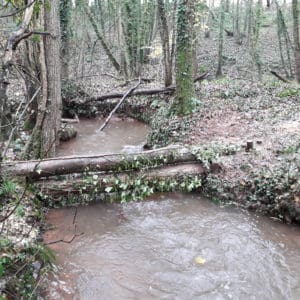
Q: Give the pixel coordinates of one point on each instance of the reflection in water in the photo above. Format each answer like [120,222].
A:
[147,250]
[125,135]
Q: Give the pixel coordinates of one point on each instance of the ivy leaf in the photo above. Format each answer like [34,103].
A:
[108,189]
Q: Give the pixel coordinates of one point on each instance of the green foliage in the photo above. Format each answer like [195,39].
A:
[168,129]
[278,189]
[20,211]
[290,149]
[7,188]
[288,92]
[136,189]
[18,268]
[212,153]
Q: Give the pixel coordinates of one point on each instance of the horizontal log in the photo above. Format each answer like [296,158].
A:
[148,92]
[72,186]
[101,163]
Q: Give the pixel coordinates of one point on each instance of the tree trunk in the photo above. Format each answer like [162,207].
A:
[52,52]
[185,90]
[221,38]
[165,40]
[44,138]
[101,163]
[65,7]
[237,30]
[280,35]
[296,32]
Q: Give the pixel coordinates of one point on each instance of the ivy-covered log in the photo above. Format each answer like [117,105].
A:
[126,186]
[36,169]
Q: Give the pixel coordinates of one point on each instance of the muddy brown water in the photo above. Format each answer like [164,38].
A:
[171,246]
[120,135]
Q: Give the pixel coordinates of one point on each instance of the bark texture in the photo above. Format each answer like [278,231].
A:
[111,162]
[45,137]
[296,32]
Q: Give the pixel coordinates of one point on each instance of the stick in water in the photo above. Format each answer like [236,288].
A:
[118,105]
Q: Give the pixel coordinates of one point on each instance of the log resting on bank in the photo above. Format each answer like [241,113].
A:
[36,169]
[165,90]
[60,188]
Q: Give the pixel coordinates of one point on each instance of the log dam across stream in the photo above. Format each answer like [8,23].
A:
[171,246]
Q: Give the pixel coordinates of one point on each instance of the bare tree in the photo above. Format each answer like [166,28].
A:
[168,49]
[296,32]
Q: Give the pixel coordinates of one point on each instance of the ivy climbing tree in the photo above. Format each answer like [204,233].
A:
[185,91]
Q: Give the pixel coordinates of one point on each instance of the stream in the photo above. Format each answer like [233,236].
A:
[171,246]
[120,135]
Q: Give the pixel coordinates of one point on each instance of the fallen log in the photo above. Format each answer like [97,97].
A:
[36,169]
[174,178]
[149,92]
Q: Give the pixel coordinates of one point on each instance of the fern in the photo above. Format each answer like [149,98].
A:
[7,187]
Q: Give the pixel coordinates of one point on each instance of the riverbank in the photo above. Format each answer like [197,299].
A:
[253,138]
[252,131]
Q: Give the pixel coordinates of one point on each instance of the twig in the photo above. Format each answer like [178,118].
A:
[279,76]
[118,105]
[74,218]
[66,242]
[17,11]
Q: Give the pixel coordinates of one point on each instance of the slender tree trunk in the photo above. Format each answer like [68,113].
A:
[165,39]
[227,6]
[64,12]
[221,39]
[255,38]
[296,32]
[249,16]
[122,45]
[237,31]
[99,5]
[280,25]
